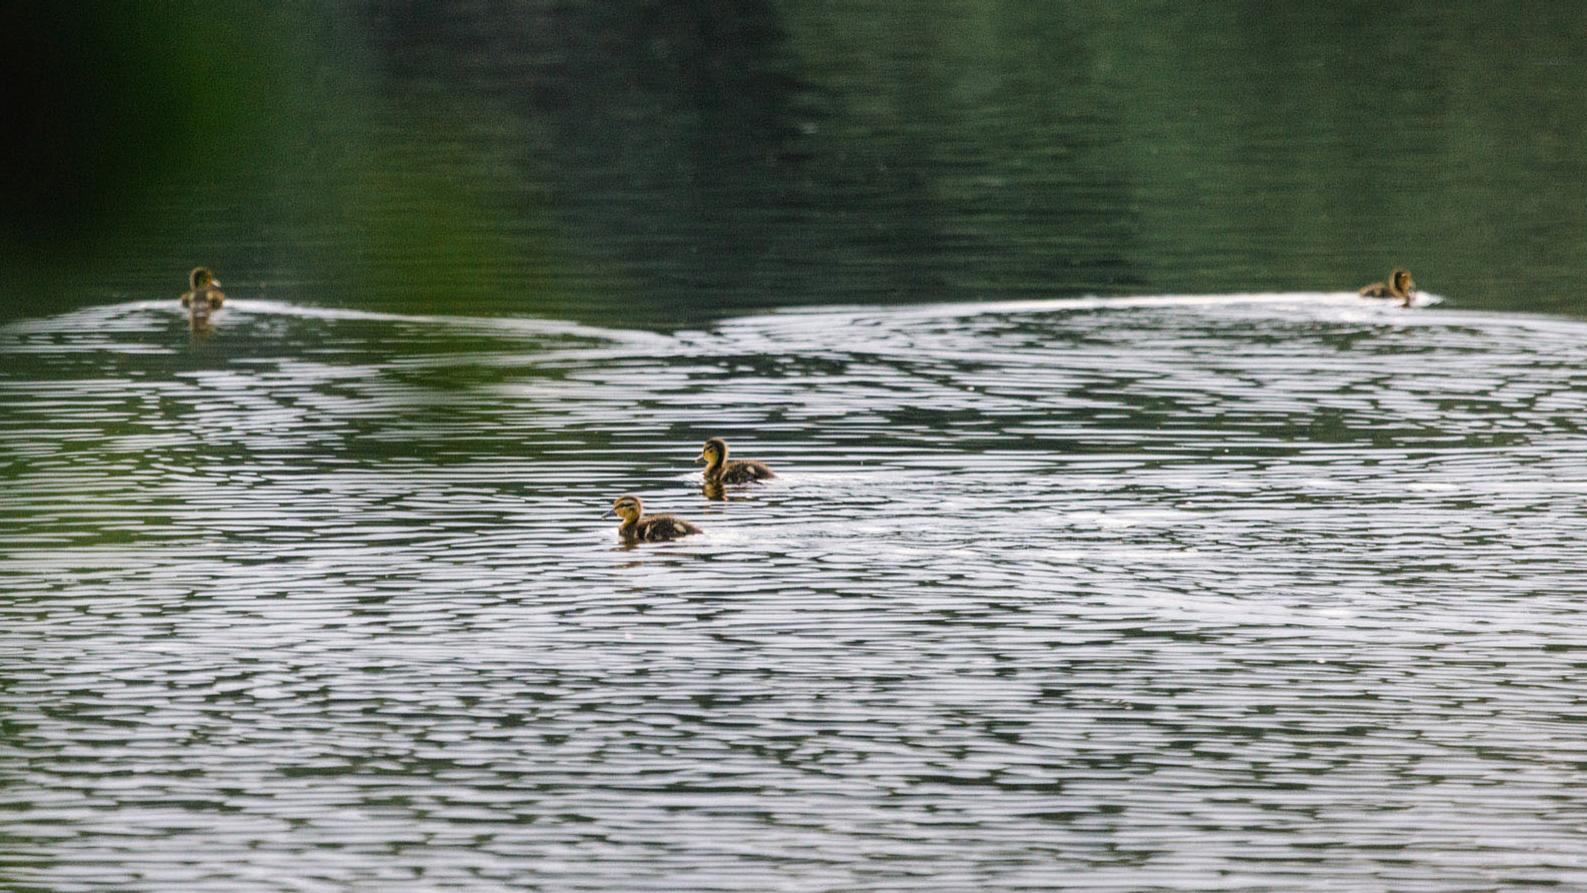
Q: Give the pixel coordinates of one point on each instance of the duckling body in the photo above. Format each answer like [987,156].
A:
[203,294]
[639,527]
[1400,286]
[720,470]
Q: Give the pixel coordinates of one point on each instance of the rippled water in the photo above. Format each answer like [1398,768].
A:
[1244,593]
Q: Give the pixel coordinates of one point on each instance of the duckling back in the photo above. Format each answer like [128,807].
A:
[1399,285]
[658,528]
[203,294]
[719,469]
[741,471]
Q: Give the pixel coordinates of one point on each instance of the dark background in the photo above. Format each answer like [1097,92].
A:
[667,163]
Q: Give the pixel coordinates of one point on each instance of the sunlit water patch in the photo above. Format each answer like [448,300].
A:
[1230,593]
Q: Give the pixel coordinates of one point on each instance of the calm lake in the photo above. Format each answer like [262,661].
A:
[1116,544]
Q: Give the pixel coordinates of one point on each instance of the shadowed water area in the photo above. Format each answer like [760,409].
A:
[1115,546]
[668,164]
[1152,594]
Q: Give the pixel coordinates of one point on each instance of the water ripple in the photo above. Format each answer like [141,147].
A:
[1225,593]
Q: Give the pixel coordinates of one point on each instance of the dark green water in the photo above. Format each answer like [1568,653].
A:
[1069,580]
[672,163]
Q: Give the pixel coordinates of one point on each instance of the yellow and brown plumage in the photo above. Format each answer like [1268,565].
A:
[720,470]
[1400,285]
[203,294]
[638,527]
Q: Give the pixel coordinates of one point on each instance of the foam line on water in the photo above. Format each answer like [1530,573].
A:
[509,325]
[1333,302]
[542,327]
[512,324]
[1048,305]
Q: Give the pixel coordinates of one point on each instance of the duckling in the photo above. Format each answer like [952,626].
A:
[1400,285]
[203,293]
[718,470]
[652,528]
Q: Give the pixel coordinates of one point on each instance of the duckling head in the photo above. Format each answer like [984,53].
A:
[626,507]
[713,453]
[201,278]
[1400,281]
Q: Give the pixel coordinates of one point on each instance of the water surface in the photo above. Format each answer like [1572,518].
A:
[1217,593]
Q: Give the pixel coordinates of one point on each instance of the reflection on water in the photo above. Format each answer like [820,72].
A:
[670,164]
[1263,592]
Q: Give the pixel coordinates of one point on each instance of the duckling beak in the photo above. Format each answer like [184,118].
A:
[215,282]
[609,513]
[700,459]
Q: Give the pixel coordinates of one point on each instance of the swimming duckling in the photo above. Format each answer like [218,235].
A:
[1400,285]
[718,470]
[652,528]
[203,293]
